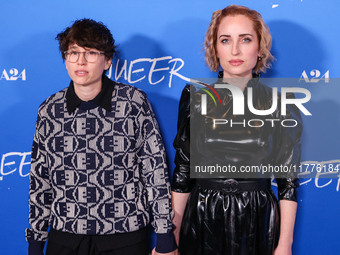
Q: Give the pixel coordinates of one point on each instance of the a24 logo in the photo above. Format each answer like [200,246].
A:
[13,74]
[315,76]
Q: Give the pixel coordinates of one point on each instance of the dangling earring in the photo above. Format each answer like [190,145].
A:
[259,58]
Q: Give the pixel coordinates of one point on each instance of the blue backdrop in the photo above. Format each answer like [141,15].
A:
[160,44]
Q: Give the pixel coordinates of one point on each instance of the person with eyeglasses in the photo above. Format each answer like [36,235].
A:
[98,164]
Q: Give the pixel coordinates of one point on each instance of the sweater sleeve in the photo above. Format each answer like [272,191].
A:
[155,176]
[40,193]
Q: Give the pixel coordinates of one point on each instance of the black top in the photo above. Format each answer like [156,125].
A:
[103,99]
[237,145]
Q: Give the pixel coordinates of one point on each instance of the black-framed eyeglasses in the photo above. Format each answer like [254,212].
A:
[91,56]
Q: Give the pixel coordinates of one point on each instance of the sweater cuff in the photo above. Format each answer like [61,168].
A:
[36,247]
[166,243]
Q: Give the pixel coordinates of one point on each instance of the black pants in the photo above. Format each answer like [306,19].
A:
[61,243]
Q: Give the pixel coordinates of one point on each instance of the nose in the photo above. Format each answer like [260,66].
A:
[82,59]
[235,49]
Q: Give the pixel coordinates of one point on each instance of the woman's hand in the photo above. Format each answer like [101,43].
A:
[179,201]
[283,250]
[154,252]
[288,213]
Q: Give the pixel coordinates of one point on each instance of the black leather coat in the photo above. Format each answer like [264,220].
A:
[216,222]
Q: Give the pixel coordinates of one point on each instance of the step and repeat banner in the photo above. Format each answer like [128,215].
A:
[160,48]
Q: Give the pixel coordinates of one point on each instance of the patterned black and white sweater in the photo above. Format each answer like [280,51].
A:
[98,167]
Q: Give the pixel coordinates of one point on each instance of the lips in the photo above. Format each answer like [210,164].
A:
[236,62]
[81,73]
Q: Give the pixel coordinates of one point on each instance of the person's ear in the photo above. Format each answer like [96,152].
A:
[108,63]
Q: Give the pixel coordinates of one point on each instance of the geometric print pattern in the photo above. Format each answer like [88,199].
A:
[98,172]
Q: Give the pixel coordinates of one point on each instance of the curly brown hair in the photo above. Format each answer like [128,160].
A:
[87,33]
[261,29]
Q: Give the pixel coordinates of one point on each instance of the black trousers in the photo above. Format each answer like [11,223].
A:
[61,243]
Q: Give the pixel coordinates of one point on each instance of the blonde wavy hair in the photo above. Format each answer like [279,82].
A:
[261,29]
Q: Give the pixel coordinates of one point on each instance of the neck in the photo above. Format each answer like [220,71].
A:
[87,93]
[238,82]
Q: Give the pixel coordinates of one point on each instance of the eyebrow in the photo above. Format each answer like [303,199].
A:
[240,35]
